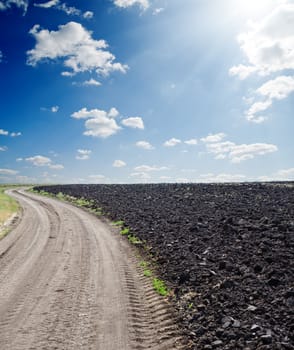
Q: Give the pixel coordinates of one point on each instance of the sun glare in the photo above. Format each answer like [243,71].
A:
[254,8]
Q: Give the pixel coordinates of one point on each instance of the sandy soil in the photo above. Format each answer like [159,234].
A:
[68,281]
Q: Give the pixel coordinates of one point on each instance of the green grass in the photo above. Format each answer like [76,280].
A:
[147,273]
[125,231]
[118,223]
[144,264]
[8,206]
[134,240]
[160,287]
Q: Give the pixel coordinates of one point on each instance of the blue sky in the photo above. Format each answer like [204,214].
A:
[126,91]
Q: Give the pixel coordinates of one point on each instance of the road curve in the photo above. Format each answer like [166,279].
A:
[68,281]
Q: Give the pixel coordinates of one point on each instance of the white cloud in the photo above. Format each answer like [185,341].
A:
[269,44]
[172,142]
[221,177]
[242,71]
[275,89]
[269,48]
[101,127]
[1,56]
[243,152]
[47,4]
[97,178]
[7,4]
[278,88]
[99,123]
[285,174]
[119,164]
[238,153]
[54,109]
[91,82]
[147,168]
[145,145]
[69,10]
[83,154]
[56,166]
[8,172]
[141,176]
[15,134]
[3,148]
[4,132]
[113,112]
[213,137]
[165,178]
[25,179]
[41,161]
[127,3]
[157,11]
[88,14]
[75,46]
[191,142]
[220,148]
[133,122]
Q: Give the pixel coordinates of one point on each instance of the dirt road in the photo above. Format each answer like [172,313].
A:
[68,281]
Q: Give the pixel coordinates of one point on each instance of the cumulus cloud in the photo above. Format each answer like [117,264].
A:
[238,153]
[191,142]
[119,164]
[41,161]
[278,88]
[147,168]
[73,44]
[8,172]
[88,14]
[275,89]
[133,122]
[91,82]
[213,137]
[269,49]
[172,142]
[248,151]
[269,44]
[83,154]
[145,145]
[3,148]
[21,4]
[54,109]
[127,3]
[99,123]
[4,132]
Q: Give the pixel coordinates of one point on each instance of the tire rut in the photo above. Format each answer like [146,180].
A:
[68,281]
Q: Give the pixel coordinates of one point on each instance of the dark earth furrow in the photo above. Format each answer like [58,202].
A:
[225,250]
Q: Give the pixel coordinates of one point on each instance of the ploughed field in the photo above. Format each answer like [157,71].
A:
[226,251]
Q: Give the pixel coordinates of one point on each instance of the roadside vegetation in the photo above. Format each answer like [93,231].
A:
[8,206]
[158,284]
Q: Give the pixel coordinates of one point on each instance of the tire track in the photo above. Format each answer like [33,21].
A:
[68,281]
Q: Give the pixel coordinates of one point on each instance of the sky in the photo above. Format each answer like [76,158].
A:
[132,91]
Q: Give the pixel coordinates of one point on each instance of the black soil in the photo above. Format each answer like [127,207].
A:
[225,250]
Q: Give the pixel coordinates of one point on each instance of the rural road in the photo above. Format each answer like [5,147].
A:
[69,281]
